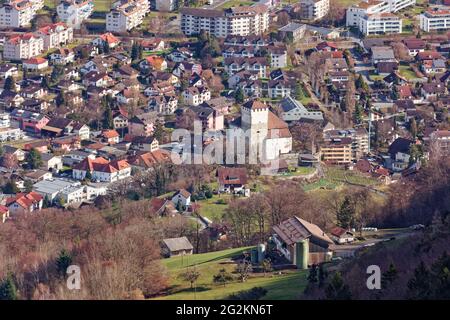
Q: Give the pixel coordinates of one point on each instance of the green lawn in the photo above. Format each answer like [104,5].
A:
[99,5]
[353,177]
[236,3]
[212,210]
[286,286]
[300,171]
[407,72]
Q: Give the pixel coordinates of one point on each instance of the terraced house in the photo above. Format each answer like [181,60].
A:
[126,15]
[243,21]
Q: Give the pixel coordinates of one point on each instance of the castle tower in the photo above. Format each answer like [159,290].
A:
[254,117]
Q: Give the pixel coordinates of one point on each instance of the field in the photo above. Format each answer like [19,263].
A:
[285,286]
[99,5]
[212,210]
[407,72]
[236,3]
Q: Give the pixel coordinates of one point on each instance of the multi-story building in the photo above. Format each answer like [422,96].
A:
[360,10]
[442,140]
[435,20]
[126,15]
[337,143]
[16,14]
[314,9]
[337,151]
[55,35]
[73,12]
[244,20]
[23,47]
[380,23]
[165,5]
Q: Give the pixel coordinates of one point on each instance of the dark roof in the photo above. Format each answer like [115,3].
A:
[177,244]
[234,176]
[400,145]
[60,123]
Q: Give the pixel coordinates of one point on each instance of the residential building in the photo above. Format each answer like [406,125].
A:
[29,121]
[368,7]
[195,96]
[256,64]
[55,35]
[23,47]
[278,57]
[293,31]
[210,118]
[314,9]
[301,242]
[25,202]
[35,64]
[74,12]
[19,13]
[126,15]
[341,235]
[142,125]
[442,140]
[101,170]
[359,139]
[182,197]
[165,5]
[293,110]
[242,20]
[380,23]
[435,20]
[231,180]
[337,151]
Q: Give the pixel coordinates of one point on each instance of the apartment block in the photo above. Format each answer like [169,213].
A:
[360,10]
[380,23]
[74,12]
[19,13]
[23,47]
[337,151]
[243,21]
[165,5]
[435,20]
[126,15]
[55,35]
[314,9]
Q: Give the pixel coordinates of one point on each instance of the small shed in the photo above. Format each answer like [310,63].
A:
[173,247]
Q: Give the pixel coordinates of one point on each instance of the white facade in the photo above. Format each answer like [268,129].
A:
[195,96]
[73,12]
[436,20]
[241,21]
[125,17]
[16,14]
[314,9]
[23,47]
[380,23]
[358,11]
[55,35]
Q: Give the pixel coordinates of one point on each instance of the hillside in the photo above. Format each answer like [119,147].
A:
[286,286]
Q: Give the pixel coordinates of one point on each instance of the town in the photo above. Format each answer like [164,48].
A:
[345,101]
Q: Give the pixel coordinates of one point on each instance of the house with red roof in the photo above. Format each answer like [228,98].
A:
[341,235]
[107,39]
[55,35]
[110,136]
[23,47]
[25,202]
[35,64]
[101,170]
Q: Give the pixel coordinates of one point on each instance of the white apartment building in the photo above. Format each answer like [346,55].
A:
[358,11]
[55,35]
[23,47]
[126,15]
[435,20]
[314,9]
[165,5]
[380,23]
[19,13]
[243,21]
[73,12]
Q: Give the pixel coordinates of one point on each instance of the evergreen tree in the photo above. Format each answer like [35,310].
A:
[63,261]
[389,276]
[34,159]
[441,274]
[358,115]
[337,290]
[10,84]
[11,187]
[346,213]
[299,95]
[158,133]
[8,290]
[413,127]
[28,185]
[108,122]
[239,95]
[419,286]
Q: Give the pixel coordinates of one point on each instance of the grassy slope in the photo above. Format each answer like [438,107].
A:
[285,286]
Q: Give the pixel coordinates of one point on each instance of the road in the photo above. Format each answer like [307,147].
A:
[348,250]
[216,4]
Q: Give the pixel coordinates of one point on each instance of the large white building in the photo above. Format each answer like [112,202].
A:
[314,9]
[19,13]
[126,15]
[435,20]
[23,47]
[73,12]
[380,23]
[267,132]
[376,17]
[243,21]
[165,5]
[55,35]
